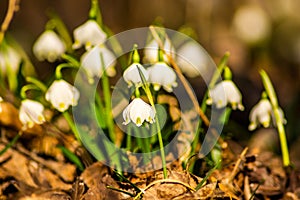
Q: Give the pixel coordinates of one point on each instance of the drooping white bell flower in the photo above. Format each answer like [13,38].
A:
[225,93]
[9,59]
[192,60]
[31,112]
[49,46]
[91,61]
[132,75]
[61,95]
[151,51]
[262,113]
[88,34]
[160,74]
[137,112]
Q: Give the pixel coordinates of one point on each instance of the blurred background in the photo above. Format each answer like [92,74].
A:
[258,34]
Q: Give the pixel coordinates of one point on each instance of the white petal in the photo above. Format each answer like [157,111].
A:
[151,51]
[48,46]
[88,34]
[132,75]
[160,74]
[261,113]
[138,111]
[224,93]
[31,112]
[91,61]
[217,96]
[62,95]
[233,94]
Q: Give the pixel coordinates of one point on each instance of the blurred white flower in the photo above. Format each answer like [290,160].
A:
[91,61]
[192,60]
[151,51]
[138,111]
[251,24]
[160,74]
[31,112]
[61,95]
[225,93]
[49,46]
[88,34]
[262,113]
[132,75]
[9,59]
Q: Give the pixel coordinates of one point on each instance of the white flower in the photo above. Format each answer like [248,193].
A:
[132,75]
[262,113]
[49,46]
[31,112]
[9,59]
[88,34]
[225,93]
[91,61]
[251,24]
[61,95]
[151,51]
[160,74]
[138,111]
[192,60]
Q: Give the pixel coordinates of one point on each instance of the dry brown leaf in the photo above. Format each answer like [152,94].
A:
[92,174]
[17,166]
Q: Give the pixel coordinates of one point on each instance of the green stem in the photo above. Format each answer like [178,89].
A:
[161,147]
[117,48]
[273,99]
[107,100]
[57,23]
[100,111]
[38,83]
[160,140]
[216,75]
[128,138]
[11,143]
[95,12]
[70,60]
[72,125]
[12,77]
[25,88]
[58,73]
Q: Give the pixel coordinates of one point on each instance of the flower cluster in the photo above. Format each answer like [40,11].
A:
[159,75]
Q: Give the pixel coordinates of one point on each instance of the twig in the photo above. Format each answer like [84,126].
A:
[13,6]
[238,162]
[163,181]
[247,192]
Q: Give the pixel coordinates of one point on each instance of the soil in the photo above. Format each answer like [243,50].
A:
[34,167]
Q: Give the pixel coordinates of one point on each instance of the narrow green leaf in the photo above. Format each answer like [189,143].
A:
[72,157]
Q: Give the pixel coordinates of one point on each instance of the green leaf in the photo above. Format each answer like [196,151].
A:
[72,157]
